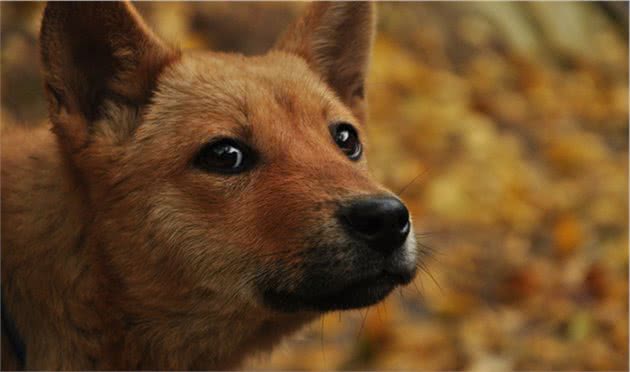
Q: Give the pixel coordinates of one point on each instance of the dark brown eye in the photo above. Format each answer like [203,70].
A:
[346,137]
[225,156]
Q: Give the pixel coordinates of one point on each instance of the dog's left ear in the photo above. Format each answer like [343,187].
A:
[335,38]
[94,53]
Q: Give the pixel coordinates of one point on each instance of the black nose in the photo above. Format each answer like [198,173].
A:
[382,222]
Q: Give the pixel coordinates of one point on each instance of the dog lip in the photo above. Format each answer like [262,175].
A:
[358,293]
[403,277]
[385,277]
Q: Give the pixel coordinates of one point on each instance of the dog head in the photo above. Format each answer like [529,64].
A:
[224,176]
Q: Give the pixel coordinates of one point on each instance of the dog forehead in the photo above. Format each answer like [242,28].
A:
[218,84]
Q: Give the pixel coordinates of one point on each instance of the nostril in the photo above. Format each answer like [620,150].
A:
[405,229]
[403,217]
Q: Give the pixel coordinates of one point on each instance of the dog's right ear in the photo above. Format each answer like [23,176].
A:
[95,53]
[335,39]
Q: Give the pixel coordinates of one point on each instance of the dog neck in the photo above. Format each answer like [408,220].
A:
[13,339]
[205,341]
[47,279]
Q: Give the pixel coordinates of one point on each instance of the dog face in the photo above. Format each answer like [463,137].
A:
[216,175]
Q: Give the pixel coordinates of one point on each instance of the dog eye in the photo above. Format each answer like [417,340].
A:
[226,156]
[346,137]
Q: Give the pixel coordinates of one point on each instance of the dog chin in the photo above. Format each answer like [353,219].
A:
[361,293]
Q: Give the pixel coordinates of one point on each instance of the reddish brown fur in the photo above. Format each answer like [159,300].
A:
[115,253]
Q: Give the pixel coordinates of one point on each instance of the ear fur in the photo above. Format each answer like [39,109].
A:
[93,52]
[335,38]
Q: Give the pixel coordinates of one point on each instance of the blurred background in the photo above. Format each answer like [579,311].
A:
[504,126]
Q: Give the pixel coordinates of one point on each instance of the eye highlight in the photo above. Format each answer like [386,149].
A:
[347,139]
[226,156]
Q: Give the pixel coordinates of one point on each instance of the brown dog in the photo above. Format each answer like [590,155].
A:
[190,209]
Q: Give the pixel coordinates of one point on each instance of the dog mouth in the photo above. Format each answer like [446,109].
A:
[356,294]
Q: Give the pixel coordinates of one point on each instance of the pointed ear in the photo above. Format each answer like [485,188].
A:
[335,38]
[97,54]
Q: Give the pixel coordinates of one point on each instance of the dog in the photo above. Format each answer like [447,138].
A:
[188,210]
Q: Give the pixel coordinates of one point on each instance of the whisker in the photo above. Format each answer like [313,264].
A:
[433,233]
[424,172]
[427,250]
[421,288]
[385,309]
[321,338]
[430,253]
[363,323]
[424,268]
[416,286]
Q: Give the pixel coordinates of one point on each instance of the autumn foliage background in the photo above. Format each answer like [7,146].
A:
[505,128]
